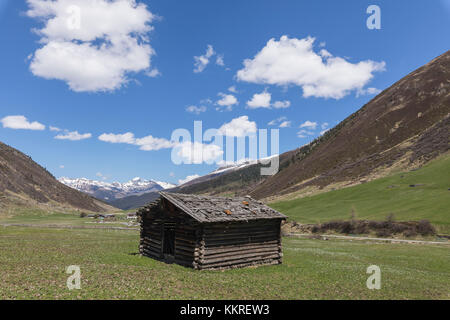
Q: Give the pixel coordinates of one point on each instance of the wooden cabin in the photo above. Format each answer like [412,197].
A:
[206,232]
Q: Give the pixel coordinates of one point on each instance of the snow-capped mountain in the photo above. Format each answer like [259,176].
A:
[115,190]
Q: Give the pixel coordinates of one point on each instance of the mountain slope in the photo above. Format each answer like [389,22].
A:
[25,183]
[134,202]
[112,191]
[404,126]
[407,122]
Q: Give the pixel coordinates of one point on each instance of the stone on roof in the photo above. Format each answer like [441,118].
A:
[220,209]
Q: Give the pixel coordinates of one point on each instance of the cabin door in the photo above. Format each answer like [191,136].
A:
[169,241]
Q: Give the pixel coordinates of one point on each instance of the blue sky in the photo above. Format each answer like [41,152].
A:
[149,94]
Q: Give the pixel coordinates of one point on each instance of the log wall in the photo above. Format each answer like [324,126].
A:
[240,244]
[154,220]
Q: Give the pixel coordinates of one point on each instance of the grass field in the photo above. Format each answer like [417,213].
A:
[428,199]
[38,217]
[33,263]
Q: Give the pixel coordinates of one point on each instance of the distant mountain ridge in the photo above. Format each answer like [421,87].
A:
[24,183]
[110,192]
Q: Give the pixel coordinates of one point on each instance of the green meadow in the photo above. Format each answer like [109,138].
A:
[413,195]
[34,260]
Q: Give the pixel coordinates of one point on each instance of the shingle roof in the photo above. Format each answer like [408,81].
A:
[218,209]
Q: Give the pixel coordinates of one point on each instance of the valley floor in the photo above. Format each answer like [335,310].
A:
[34,260]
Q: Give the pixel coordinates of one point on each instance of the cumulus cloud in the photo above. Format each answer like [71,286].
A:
[309,125]
[73,136]
[197,153]
[281,122]
[263,100]
[285,124]
[195,109]
[292,61]
[260,100]
[368,91]
[200,62]
[148,143]
[55,129]
[277,121]
[21,122]
[188,178]
[238,127]
[220,61]
[117,138]
[304,133]
[227,101]
[92,45]
[233,89]
[281,104]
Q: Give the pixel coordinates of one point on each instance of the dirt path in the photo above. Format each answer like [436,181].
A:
[326,236]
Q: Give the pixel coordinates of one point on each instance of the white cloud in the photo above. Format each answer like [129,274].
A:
[281,104]
[197,153]
[73,136]
[324,125]
[263,100]
[200,62]
[188,178]
[368,91]
[118,138]
[304,133]
[294,62]
[148,143]
[109,43]
[285,124]
[195,109]
[277,121]
[309,124]
[260,100]
[61,166]
[220,61]
[21,122]
[227,101]
[153,73]
[55,129]
[238,127]
[233,89]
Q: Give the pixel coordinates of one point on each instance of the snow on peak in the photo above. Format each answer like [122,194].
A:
[115,190]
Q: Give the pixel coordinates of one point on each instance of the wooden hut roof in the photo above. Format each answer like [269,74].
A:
[219,209]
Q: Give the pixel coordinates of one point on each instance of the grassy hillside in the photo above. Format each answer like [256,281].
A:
[34,261]
[428,199]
